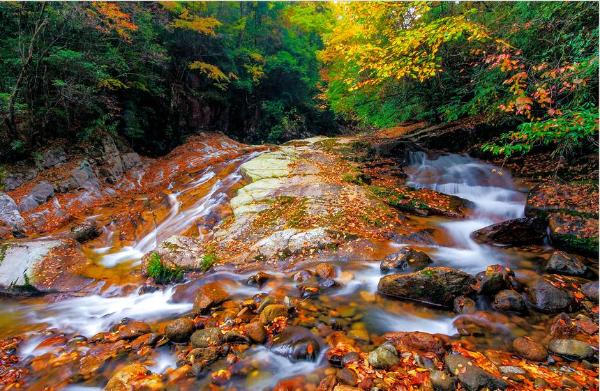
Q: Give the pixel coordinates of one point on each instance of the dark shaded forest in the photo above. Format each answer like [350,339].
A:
[270,72]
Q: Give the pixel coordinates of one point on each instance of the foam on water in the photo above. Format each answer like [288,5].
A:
[89,315]
[381,321]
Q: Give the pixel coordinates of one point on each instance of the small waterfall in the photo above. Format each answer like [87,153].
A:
[491,190]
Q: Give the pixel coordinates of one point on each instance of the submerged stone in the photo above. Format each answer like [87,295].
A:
[407,259]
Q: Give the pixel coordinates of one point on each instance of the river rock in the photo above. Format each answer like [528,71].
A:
[134,377]
[131,160]
[9,213]
[441,380]
[590,290]
[546,297]
[297,343]
[563,263]
[347,376]
[571,349]
[384,356]
[291,241]
[405,259]
[272,311]
[81,177]
[180,330]
[256,332]
[17,175]
[493,279]
[209,295]
[417,340]
[133,329]
[325,270]
[53,156]
[529,349]
[509,300]
[471,376]
[516,232]
[207,337]
[437,285]
[574,233]
[259,279]
[45,265]
[464,305]
[85,231]
[40,193]
[177,252]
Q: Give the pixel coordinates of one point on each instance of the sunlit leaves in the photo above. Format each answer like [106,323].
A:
[112,18]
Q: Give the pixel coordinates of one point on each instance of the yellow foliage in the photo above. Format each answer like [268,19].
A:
[211,71]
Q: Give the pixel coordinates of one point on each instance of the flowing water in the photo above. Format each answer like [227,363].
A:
[191,205]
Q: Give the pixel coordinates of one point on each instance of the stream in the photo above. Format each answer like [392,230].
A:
[192,204]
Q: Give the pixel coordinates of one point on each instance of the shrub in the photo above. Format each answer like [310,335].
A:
[161,273]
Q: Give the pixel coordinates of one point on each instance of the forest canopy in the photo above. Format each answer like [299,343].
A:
[273,71]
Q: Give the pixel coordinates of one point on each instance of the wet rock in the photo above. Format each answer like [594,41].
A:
[442,381]
[350,358]
[109,157]
[207,337]
[571,349]
[574,233]
[297,343]
[383,357]
[40,193]
[133,329]
[302,276]
[516,232]
[85,232]
[590,290]
[42,265]
[471,376]
[81,177]
[272,311]
[493,279]
[437,285]
[347,376]
[209,295]
[133,377]
[405,259]
[509,300]
[52,157]
[9,213]
[563,263]
[200,358]
[343,387]
[417,340]
[259,279]
[235,337]
[529,349]
[131,160]
[464,305]
[546,297]
[325,271]
[180,330]
[256,332]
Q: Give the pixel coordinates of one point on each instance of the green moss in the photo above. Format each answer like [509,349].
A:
[3,175]
[575,243]
[208,260]
[161,273]
[358,178]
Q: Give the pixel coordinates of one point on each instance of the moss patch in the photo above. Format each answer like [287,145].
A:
[162,273]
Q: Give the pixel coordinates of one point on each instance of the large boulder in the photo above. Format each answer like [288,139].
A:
[40,193]
[571,349]
[526,230]
[9,213]
[52,156]
[574,233]
[435,285]
[41,266]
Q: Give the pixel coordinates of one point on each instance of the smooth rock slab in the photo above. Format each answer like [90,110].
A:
[9,213]
[268,165]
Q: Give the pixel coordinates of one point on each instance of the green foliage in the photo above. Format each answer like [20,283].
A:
[565,134]
[208,260]
[161,273]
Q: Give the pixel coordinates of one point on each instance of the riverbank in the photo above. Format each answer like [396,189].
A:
[327,263]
